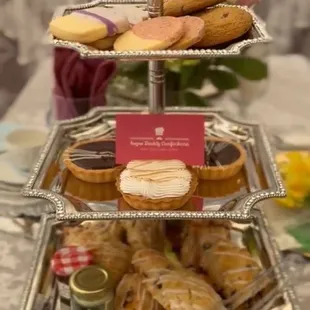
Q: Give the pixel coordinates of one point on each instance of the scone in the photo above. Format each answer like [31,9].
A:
[199,235]
[194,29]
[156,184]
[92,232]
[131,294]
[223,159]
[224,24]
[153,34]
[89,25]
[93,161]
[141,234]
[185,7]
[229,267]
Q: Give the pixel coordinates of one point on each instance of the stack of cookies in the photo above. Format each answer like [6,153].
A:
[186,24]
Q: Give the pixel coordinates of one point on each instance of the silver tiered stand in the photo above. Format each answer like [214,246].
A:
[157,97]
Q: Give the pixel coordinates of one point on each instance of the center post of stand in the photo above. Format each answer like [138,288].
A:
[156,76]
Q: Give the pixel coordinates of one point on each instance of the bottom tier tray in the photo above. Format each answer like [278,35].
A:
[254,239]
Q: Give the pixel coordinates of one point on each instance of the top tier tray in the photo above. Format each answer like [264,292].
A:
[231,199]
[257,34]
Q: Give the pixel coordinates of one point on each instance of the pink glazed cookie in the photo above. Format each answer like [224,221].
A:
[152,34]
[90,25]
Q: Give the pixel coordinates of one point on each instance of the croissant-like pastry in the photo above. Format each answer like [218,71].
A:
[229,267]
[143,234]
[131,294]
[199,235]
[114,256]
[174,289]
[149,262]
[94,232]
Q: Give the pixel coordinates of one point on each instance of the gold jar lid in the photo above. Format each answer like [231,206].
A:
[90,284]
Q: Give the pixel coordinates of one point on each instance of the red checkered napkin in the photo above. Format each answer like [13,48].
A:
[69,259]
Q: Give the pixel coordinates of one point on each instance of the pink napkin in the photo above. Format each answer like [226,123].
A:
[80,84]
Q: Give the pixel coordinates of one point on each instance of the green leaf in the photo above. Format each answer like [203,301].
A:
[191,99]
[223,80]
[249,68]
[136,72]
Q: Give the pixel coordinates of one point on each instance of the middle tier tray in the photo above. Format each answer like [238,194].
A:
[232,198]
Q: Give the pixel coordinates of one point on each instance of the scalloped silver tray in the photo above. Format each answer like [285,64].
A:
[257,34]
[231,199]
[257,237]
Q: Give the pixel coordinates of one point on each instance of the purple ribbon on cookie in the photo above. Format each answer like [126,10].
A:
[111,27]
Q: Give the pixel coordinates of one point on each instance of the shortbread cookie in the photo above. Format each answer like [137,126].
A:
[184,7]
[194,30]
[104,44]
[153,34]
[224,24]
[90,25]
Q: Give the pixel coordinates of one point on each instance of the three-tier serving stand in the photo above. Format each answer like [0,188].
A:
[242,208]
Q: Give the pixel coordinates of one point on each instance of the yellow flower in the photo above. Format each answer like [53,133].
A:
[295,170]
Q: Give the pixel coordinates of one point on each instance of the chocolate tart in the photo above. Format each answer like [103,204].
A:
[223,159]
[93,161]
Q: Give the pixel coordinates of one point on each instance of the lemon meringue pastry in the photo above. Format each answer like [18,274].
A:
[156,184]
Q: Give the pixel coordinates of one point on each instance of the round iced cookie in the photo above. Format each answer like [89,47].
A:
[194,30]
[134,13]
[224,24]
[152,34]
[90,25]
[185,7]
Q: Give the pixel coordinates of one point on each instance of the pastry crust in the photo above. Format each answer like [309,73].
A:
[131,294]
[224,171]
[229,267]
[90,175]
[141,234]
[199,235]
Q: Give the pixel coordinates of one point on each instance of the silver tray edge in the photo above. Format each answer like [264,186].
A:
[233,50]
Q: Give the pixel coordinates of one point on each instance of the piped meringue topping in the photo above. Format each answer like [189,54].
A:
[156,179]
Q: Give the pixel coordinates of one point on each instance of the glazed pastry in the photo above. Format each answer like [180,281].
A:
[89,25]
[224,24]
[131,294]
[93,161]
[174,289]
[149,263]
[92,232]
[156,184]
[229,267]
[199,235]
[185,7]
[141,234]
[153,34]
[114,256]
[194,29]
[223,159]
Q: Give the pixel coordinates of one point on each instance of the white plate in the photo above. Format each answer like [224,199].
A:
[9,173]
[5,129]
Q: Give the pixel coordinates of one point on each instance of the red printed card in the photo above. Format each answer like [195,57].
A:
[160,136]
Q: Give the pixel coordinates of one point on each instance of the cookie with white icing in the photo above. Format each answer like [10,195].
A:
[89,25]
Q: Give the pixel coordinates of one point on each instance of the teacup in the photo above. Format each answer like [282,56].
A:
[23,146]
